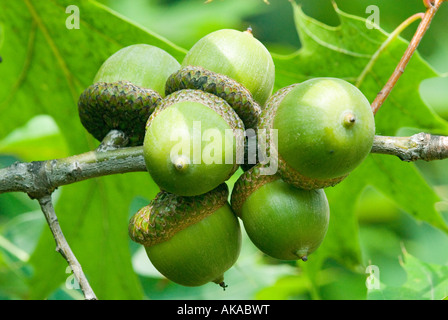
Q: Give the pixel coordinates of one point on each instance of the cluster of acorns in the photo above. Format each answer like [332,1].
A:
[193,120]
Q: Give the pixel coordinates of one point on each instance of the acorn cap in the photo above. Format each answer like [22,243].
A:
[118,105]
[234,93]
[168,214]
[287,173]
[247,184]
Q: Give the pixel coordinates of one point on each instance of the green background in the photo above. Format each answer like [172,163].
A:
[388,213]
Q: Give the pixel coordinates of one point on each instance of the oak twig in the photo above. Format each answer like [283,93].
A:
[41,178]
[421,146]
[421,30]
[63,247]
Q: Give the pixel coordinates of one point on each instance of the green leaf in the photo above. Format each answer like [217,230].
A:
[344,52]
[18,239]
[185,22]
[402,183]
[424,281]
[39,139]
[46,66]
[347,51]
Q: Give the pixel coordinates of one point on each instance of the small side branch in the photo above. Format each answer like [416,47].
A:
[115,139]
[63,248]
[421,146]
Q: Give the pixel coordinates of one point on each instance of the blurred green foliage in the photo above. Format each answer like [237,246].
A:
[389,238]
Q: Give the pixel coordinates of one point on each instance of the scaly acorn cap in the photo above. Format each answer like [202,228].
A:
[287,173]
[117,105]
[247,184]
[213,102]
[169,213]
[234,93]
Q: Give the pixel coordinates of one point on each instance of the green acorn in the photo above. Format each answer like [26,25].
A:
[239,56]
[325,129]
[282,221]
[190,240]
[126,90]
[192,142]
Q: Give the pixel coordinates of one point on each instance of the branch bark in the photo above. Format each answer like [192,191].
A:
[41,178]
[421,146]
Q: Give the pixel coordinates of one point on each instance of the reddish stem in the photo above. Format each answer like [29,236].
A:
[427,3]
[432,9]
